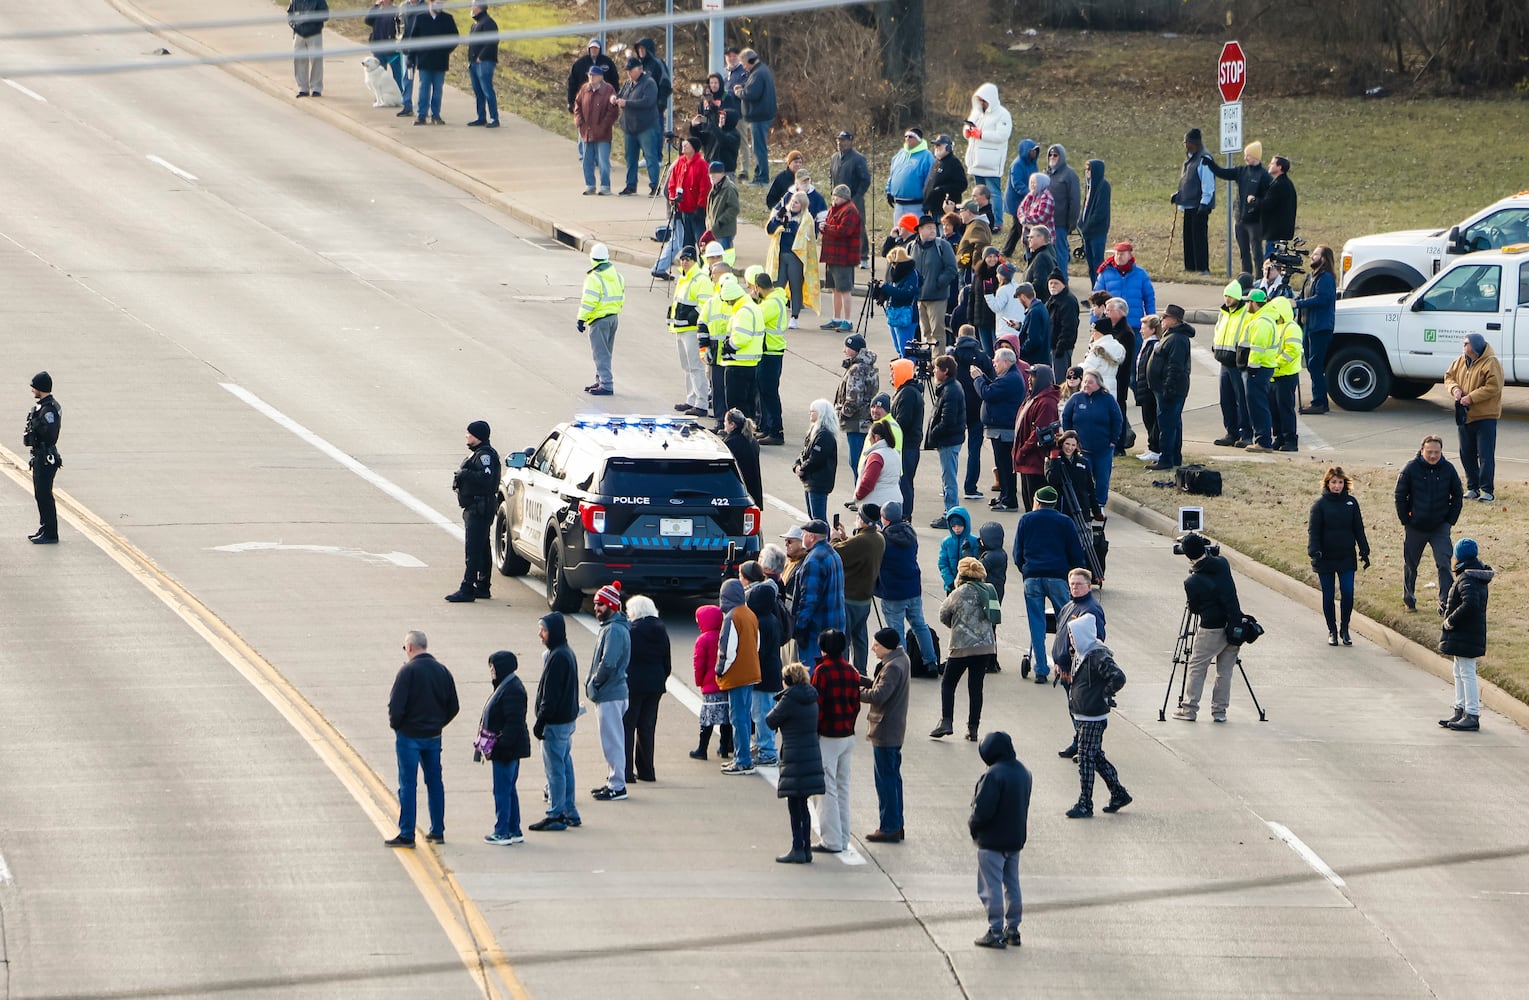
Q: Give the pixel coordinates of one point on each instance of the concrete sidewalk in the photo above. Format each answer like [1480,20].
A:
[532,174]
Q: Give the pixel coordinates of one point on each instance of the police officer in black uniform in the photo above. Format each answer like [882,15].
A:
[477,486]
[44,421]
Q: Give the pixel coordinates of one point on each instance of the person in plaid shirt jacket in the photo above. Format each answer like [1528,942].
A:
[818,589]
[838,686]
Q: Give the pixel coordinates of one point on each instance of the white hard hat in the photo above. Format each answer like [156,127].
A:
[599,252]
[713,249]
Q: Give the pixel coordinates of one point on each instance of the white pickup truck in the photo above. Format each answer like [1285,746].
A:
[1401,345]
[1399,262]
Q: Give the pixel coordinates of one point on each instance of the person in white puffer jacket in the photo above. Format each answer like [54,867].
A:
[987,138]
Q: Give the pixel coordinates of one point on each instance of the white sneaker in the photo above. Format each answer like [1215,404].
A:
[792,325]
[1486,497]
[1149,456]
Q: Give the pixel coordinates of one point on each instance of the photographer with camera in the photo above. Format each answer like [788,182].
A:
[1210,594]
[898,297]
[715,123]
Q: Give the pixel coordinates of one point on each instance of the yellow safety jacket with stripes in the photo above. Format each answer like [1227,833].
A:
[604,292]
[690,292]
[1261,335]
[715,313]
[777,311]
[1287,358]
[745,336]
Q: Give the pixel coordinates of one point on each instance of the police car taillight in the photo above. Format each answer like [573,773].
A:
[751,516]
[592,516]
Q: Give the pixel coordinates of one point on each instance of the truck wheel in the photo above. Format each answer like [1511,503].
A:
[506,560]
[561,596]
[1410,388]
[1358,377]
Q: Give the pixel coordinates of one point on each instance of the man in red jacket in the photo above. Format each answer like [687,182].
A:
[841,252]
[688,188]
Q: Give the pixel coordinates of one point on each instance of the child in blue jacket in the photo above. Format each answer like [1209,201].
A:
[957,546]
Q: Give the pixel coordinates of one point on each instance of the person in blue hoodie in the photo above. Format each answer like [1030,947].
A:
[1046,549]
[1025,164]
[1094,223]
[906,178]
[957,545]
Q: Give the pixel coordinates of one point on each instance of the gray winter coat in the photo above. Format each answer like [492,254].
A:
[795,717]
[641,111]
[964,611]
[1066,192]
[936,265]
[607,670]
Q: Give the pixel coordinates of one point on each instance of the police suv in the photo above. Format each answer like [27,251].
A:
[1399,262]
[655,502]
[1401,345]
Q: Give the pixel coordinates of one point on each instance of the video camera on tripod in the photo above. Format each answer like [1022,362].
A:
[1289,256]
[921,353]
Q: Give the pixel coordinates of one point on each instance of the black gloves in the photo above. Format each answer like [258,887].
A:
[581,325]
[539,730]
[1365,559]
[891,201]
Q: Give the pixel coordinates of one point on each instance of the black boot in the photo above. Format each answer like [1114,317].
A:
[725,744]
[1467,723]
[1332,637]
[943,729]
[1343,636]
[699,753]
[1459,714]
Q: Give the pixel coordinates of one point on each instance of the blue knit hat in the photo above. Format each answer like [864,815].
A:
[1465,549]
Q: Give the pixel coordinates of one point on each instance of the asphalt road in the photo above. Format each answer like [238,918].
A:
[266,367]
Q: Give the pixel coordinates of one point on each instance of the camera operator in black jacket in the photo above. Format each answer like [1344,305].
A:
[1211,596]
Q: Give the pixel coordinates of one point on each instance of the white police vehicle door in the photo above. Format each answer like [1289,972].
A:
[539,499]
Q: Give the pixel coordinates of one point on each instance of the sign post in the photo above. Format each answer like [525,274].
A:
[1231,77]
[714,35]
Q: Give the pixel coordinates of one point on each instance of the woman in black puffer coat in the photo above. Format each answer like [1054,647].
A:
[819,458]
[795,718]
[1465,633]
[504,714]
[647,674]
[1333,533]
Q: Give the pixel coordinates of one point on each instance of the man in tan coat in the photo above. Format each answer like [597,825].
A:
[887,695]
[1474,380]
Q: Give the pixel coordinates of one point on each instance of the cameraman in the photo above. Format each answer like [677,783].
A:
[1211,596]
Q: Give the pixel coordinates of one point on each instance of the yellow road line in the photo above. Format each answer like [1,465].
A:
[457,914]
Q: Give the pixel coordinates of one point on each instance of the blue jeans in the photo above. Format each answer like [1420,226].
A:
[857,615]
[1038,590]
[1478,453]
[1234,404]
[973,456]
[1343,583]
[648,144]
[1093,253]
[817,505]
[415,755]
[807,647]
[759,140]
[888,763]
[856,444]
[764,736]
[482,74]
[725,242]
[740,709]
[506,799]
[431,83]
[950,457]
[1259,415]
[1317,343]
[997,878]
[597,155]
[911,610]
[557,761]
[1103,464]
[1170,428]
[1063,252]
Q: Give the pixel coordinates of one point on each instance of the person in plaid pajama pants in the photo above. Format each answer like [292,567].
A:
[1094,680]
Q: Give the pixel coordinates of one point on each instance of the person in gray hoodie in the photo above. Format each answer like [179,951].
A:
[606,686]
[1092,683]
[1067,197]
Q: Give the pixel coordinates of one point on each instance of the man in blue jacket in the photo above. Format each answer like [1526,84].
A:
[423,702]
[905,180]
[607,688]
[1002,396]
[900,585]
[757,92]
[1046,548]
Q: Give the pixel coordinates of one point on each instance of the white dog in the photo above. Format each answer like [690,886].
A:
[379,80]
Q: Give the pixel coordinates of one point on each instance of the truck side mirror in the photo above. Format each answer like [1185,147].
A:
[515,460]
[1455,245]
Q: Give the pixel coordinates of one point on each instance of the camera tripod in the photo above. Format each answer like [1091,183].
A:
[674,240]
[1183,649]
[1085,533]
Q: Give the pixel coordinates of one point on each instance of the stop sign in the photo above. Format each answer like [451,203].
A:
[1231,72]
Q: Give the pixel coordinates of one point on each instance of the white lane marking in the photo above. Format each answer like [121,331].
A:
[387,486]
[688,698]
[393,558]
[34,95]
[177,171]
[5,871]
[777,502]
[1306,854]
